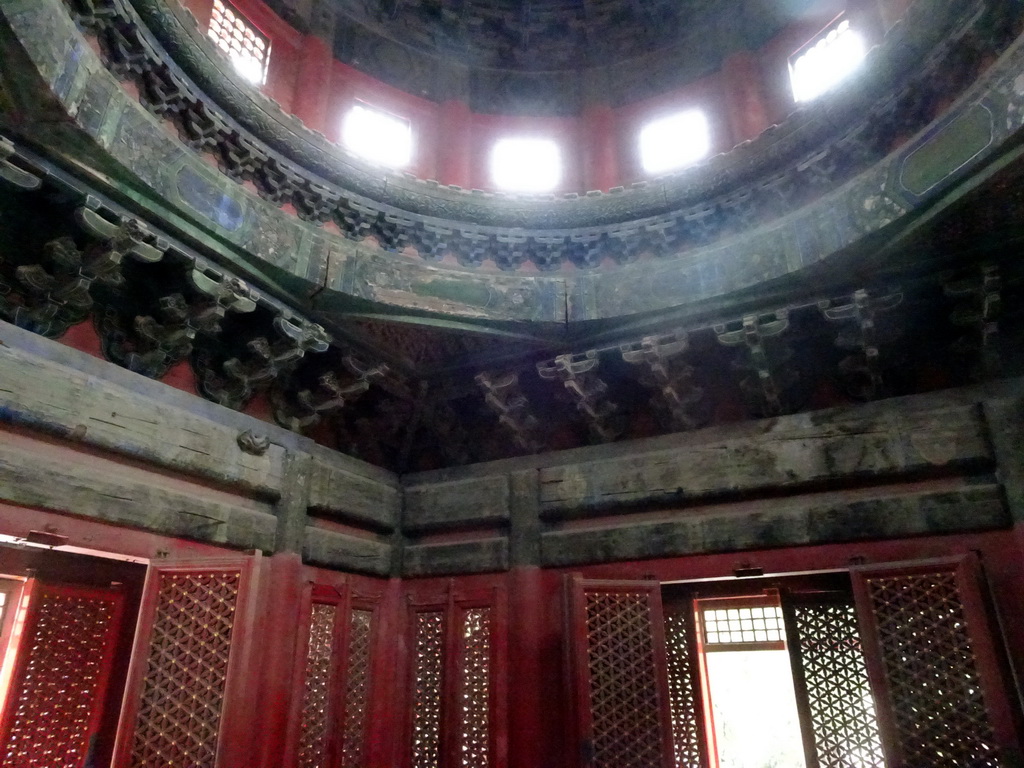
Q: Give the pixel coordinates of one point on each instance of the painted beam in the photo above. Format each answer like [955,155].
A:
[803,521]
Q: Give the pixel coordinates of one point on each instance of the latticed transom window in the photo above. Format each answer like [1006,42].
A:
[246,46]
[746,626]
[826,61]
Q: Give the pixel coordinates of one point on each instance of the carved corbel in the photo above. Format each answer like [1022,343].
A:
[234,381]
[151,339]
[978,306]
[765,359]
[506,400]
[114,241]
[53,294]
[297,409]
[148,346]
[577,374]
[11,173]
[220,294]
[664,371]
[858,318]
[50,296]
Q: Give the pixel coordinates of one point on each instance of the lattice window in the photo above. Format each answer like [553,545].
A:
[475,689]
[624,699]
[687,739]
[427,693]
[746,626]
[357,688]
[246,46]
[186,673]
[839,698]
[826,61]
[316,695]
[61,681]
[940,713]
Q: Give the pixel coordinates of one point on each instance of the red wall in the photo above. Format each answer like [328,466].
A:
[538,704]
[529,648]
[452,145]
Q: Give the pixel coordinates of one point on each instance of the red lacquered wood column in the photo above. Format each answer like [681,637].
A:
[600,154]
[454,143]
[529,704]
[277,628]
[742,81]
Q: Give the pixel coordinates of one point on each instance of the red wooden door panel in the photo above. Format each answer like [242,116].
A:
[333,690]
[838,713]
[618,667]
[186,700]
[61,674]
[942,690]
[457,680]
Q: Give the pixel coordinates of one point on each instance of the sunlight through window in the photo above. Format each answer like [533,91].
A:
[247,48]
[827,62]
[673,142]
[377,136]
[526,165]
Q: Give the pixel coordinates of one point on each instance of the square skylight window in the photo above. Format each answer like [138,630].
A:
[526,165]
[675,141]
[377,136]
[825,62]
[246,47]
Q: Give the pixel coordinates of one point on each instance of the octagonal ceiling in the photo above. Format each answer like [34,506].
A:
[547,56]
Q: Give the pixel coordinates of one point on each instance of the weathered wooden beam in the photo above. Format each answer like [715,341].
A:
[476,502]
[337,493]
[85,409]
[793,523]
[524,506]
[794,454]
[333,549]
[53,478]
[1006,425]
[294,502]
[477,556]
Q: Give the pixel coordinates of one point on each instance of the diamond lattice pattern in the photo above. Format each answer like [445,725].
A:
[313,723]
[838,692]
[426,705]
[186,673]
[623,681]
[357,689]
[933,678]
[474,688]
[57,692]
[682,694]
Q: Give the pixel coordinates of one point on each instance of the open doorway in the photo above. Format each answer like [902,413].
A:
[778,675]
[749,682]
[67,624]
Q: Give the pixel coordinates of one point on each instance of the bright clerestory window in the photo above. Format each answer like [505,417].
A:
[826,61]
[377,136]
[530,165]
[675,141]
[246,46]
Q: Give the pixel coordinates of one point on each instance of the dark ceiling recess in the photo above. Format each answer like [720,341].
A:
[550,56]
